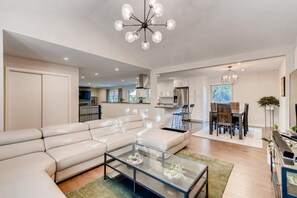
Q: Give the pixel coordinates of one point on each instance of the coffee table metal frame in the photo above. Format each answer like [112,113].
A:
[135,169]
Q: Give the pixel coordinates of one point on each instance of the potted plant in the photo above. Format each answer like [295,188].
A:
[294,128]
[268,101]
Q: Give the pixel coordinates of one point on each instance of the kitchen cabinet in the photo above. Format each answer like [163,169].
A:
[165,88]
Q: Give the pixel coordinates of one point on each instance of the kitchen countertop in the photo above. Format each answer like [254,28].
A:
[167,106]
[124,103]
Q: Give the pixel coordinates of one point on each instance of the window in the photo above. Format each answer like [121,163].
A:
[113,96]
[132,95]
[221,93]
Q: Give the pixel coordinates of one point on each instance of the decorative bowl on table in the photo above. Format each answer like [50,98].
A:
[135,159]
[174,172]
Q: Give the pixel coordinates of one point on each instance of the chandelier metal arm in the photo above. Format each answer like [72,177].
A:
[139,30]
[150,30]
[135,18]
[144,13]
[144,30]
[132,25]
[160,24]
[151,17]
[149,12]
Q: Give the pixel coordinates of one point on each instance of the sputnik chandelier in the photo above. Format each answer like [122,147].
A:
[149,20]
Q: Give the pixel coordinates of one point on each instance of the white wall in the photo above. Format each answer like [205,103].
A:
[249,89]
[17,62]
[282,100]
[1,83]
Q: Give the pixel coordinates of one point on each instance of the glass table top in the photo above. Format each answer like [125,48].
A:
[176,171]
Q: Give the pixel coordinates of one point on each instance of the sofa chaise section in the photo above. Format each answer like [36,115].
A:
[73,149]
[163,140]
[109,132]
[22,152]
[35,185]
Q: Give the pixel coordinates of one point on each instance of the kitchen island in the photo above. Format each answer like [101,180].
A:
[118,109]
[164,113]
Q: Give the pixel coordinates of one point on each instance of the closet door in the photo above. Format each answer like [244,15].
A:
[55,105]
[23,101]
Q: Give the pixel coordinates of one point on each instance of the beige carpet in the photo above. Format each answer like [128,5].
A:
[219,172]
[253,137]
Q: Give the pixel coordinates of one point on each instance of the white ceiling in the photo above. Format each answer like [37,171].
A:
[206,29]
[263,65]
[89,64]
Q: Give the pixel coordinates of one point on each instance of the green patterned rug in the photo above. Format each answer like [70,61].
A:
[219,172]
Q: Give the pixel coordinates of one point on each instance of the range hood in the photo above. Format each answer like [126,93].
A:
[142,82]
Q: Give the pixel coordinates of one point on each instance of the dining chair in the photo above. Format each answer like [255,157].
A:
[224,118]
[213,109]
[245,119]
[234,106]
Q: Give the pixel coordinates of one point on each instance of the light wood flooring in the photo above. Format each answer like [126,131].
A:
[250,177]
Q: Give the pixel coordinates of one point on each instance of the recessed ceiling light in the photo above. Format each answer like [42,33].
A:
[238,63]
[82,77]
[96,74]
[242,70]
[123,80]
[66,59]
[158,75]
[116,69]
[89,83]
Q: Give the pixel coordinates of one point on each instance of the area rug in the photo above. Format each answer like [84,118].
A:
[253,137]
[219,172]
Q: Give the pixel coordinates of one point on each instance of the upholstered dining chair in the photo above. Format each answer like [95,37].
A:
[234,106]
[224,118]
[213,109]
[245,119]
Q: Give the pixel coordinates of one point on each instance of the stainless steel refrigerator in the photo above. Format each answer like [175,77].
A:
[181,96]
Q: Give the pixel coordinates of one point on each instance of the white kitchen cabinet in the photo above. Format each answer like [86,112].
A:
[181,83]
[165,88]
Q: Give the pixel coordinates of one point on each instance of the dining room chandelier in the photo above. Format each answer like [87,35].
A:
[149,21]
[229,77]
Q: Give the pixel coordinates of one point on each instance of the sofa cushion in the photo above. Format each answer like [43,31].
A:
[161,139]
[63,140]
[99,132]
[64,129]
[117,140]
[10,137]
[130,118]
[22,148]
[139,131]
[73,154]
[94,124]
[131,125]
[34,185]
[25,164]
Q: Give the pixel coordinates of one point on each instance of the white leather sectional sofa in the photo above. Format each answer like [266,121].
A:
[31,160]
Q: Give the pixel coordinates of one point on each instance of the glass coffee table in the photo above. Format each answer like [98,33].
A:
[147,172]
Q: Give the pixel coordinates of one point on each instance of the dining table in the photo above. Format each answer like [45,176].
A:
[235,114]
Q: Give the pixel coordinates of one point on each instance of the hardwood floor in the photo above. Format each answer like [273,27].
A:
[250,176]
